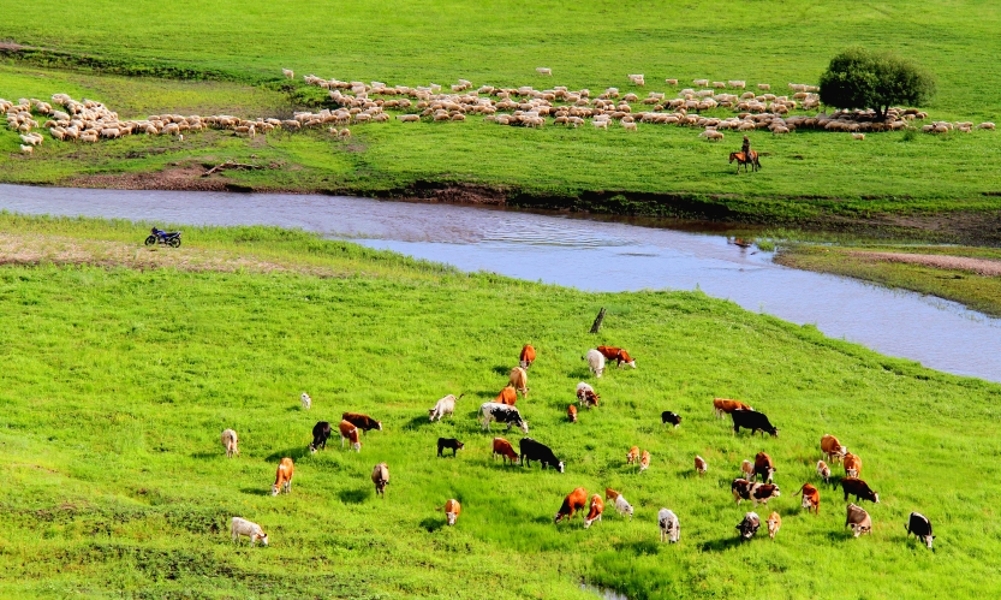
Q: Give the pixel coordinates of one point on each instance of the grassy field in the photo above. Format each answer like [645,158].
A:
[118,379]
[808,178]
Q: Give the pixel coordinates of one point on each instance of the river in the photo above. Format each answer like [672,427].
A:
[577,252]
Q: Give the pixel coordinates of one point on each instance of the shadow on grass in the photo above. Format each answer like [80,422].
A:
[723,544]
[502,370]
[356,496]
[208,455]
[432,524]
[256,491]
[418,422]
[641,548]
[296,454]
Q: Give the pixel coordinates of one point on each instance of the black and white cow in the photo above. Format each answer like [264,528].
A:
[502,413]
[753,420]
[749,526]
[321,431]
[920,526]
[533,450]
[670,417]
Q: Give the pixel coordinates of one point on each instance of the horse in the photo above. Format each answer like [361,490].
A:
[741,160]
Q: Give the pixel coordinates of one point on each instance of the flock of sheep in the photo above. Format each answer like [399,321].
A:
[358,102]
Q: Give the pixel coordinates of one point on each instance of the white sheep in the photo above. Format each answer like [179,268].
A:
[27,149]
[544,71]
[858,136]
[288,73]
[712,135]
[637,79]
[671,81]
[239,526]
[764,86]
[701,82]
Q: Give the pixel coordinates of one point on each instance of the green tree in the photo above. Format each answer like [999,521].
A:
[857,78]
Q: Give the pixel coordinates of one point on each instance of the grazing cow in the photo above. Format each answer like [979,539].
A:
[533,450]
[670,417]
[749,526]
[725,406]
[763,492]
[239,526]
[502,413]
[832,448]
[380,477]
[444,406]
[452,443]
[594,511]
[860,489]
[741,489]
[505,450]
[595,362]
[920,526]
[747,468]
[755,421]
[853,465]
[670,526]
[452,509]
[764,467]
[620,356]
[321,432]
[572,413]
[519,381]
[645,461]
[824,471]
[774,524]
[230,442]
[283,477]
[527,357]
[701,466]
[363,422]
[575,500]
[811,498]
[508,396]
[622,506]
[633,455]
[858,519]
[307,402]
[350,433]
[586,395]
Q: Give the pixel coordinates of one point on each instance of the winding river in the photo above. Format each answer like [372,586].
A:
[582,253]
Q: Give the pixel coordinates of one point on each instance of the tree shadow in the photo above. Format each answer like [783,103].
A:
[356,496]
[724,544]
[296,454]
[502,370]
[432,524]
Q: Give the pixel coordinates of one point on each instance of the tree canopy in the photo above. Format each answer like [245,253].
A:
[858,78]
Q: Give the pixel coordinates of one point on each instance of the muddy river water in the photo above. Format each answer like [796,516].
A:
[582,253]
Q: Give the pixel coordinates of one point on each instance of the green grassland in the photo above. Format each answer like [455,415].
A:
[232,55]
[116,383]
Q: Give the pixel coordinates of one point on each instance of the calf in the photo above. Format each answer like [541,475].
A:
[502,413]
[533,450]
[239,526]
[725,406]
[747,468]
[594,512]
[832,448]
[230,442]
[764,467]
[824,471]
[622,506]
[527,357]
[633,455]
[620,356]
[283,477]
[645,461]
[853,465]
[380,477]
[670,526]
[321,432]
[701,466]
[920,526]
[307,402]
[774,524]
[586,395]
[811,498]
[755,421]
[444,406]
[763,492]
[452,443]
[363,422]
[748,527]
[858,519]
[505,450]
[741,489]
[572,413]
[349,433]
[519,381]
[452,509]
[595,362]
[670,417]
[860,489]
[575,500]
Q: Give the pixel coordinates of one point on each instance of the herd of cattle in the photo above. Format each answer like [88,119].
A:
[502,410]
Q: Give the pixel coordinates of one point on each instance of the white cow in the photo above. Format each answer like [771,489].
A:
[502,413]
[445,406]
[230,441]
[670,526]
[240,526]
[623,507]
[595,361]
[307,402]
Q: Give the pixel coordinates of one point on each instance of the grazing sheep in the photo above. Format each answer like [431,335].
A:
[986,125]
[671,81]
[637,79]
[858,136]
[409,118]
[629,125]
[230,442]
[701,82]
[344,133]
[288,73]
[544,71]
[764,86]
[711,135]
[27,149]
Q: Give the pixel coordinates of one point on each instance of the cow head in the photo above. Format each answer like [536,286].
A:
[523,425]
[774,431]
[262,538]
[275,489]
[523,364]
[559,466]
[927,539]
[378,425]
[450,518]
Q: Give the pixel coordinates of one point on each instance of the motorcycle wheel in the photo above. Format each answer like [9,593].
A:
[174,242]
[151,240]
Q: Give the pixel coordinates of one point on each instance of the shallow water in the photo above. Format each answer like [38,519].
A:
[587,254]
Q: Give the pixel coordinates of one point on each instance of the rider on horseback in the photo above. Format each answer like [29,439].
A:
[746,149]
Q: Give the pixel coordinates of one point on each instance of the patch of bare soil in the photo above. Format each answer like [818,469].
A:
[179,178]
[980,266]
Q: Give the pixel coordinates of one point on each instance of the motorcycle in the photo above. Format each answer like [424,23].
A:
[169,238]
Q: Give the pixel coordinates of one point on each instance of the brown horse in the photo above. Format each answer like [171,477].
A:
[742,160]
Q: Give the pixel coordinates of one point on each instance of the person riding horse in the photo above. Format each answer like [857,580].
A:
[746,147]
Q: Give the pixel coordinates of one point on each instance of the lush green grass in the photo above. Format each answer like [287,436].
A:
[117,382]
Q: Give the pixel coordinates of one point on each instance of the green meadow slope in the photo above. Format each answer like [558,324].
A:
[121,366]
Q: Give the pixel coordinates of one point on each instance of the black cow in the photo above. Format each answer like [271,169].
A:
[670,417]
[452,443]
[753,420]
[858,488]
[920,526]
[533,450]
[321,431]
[749,526]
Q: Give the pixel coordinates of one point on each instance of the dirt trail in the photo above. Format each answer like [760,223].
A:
[980,266]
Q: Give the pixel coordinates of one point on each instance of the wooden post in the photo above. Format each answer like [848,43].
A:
[598,320]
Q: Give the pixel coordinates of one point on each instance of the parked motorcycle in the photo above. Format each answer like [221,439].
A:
[169,238]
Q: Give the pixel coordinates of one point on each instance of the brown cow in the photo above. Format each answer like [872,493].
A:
[452,509]
[645,461]
[527,357]
[774,523]
[633,455]
[858,519]
[619,355]
[508,396]
[724,406]
[824,471]
[701,466]
[575,500]
[505,450]
[350,432]
[594,513]
[763,492]
[380,477]
[586,395]
[764,467]
[832,448]
[363,422]
[860,489]
[572,413]
[742,489]
[519,381]
[811,498]
[283,477]
[853,465]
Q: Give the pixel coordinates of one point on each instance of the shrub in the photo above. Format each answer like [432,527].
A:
[857,78]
